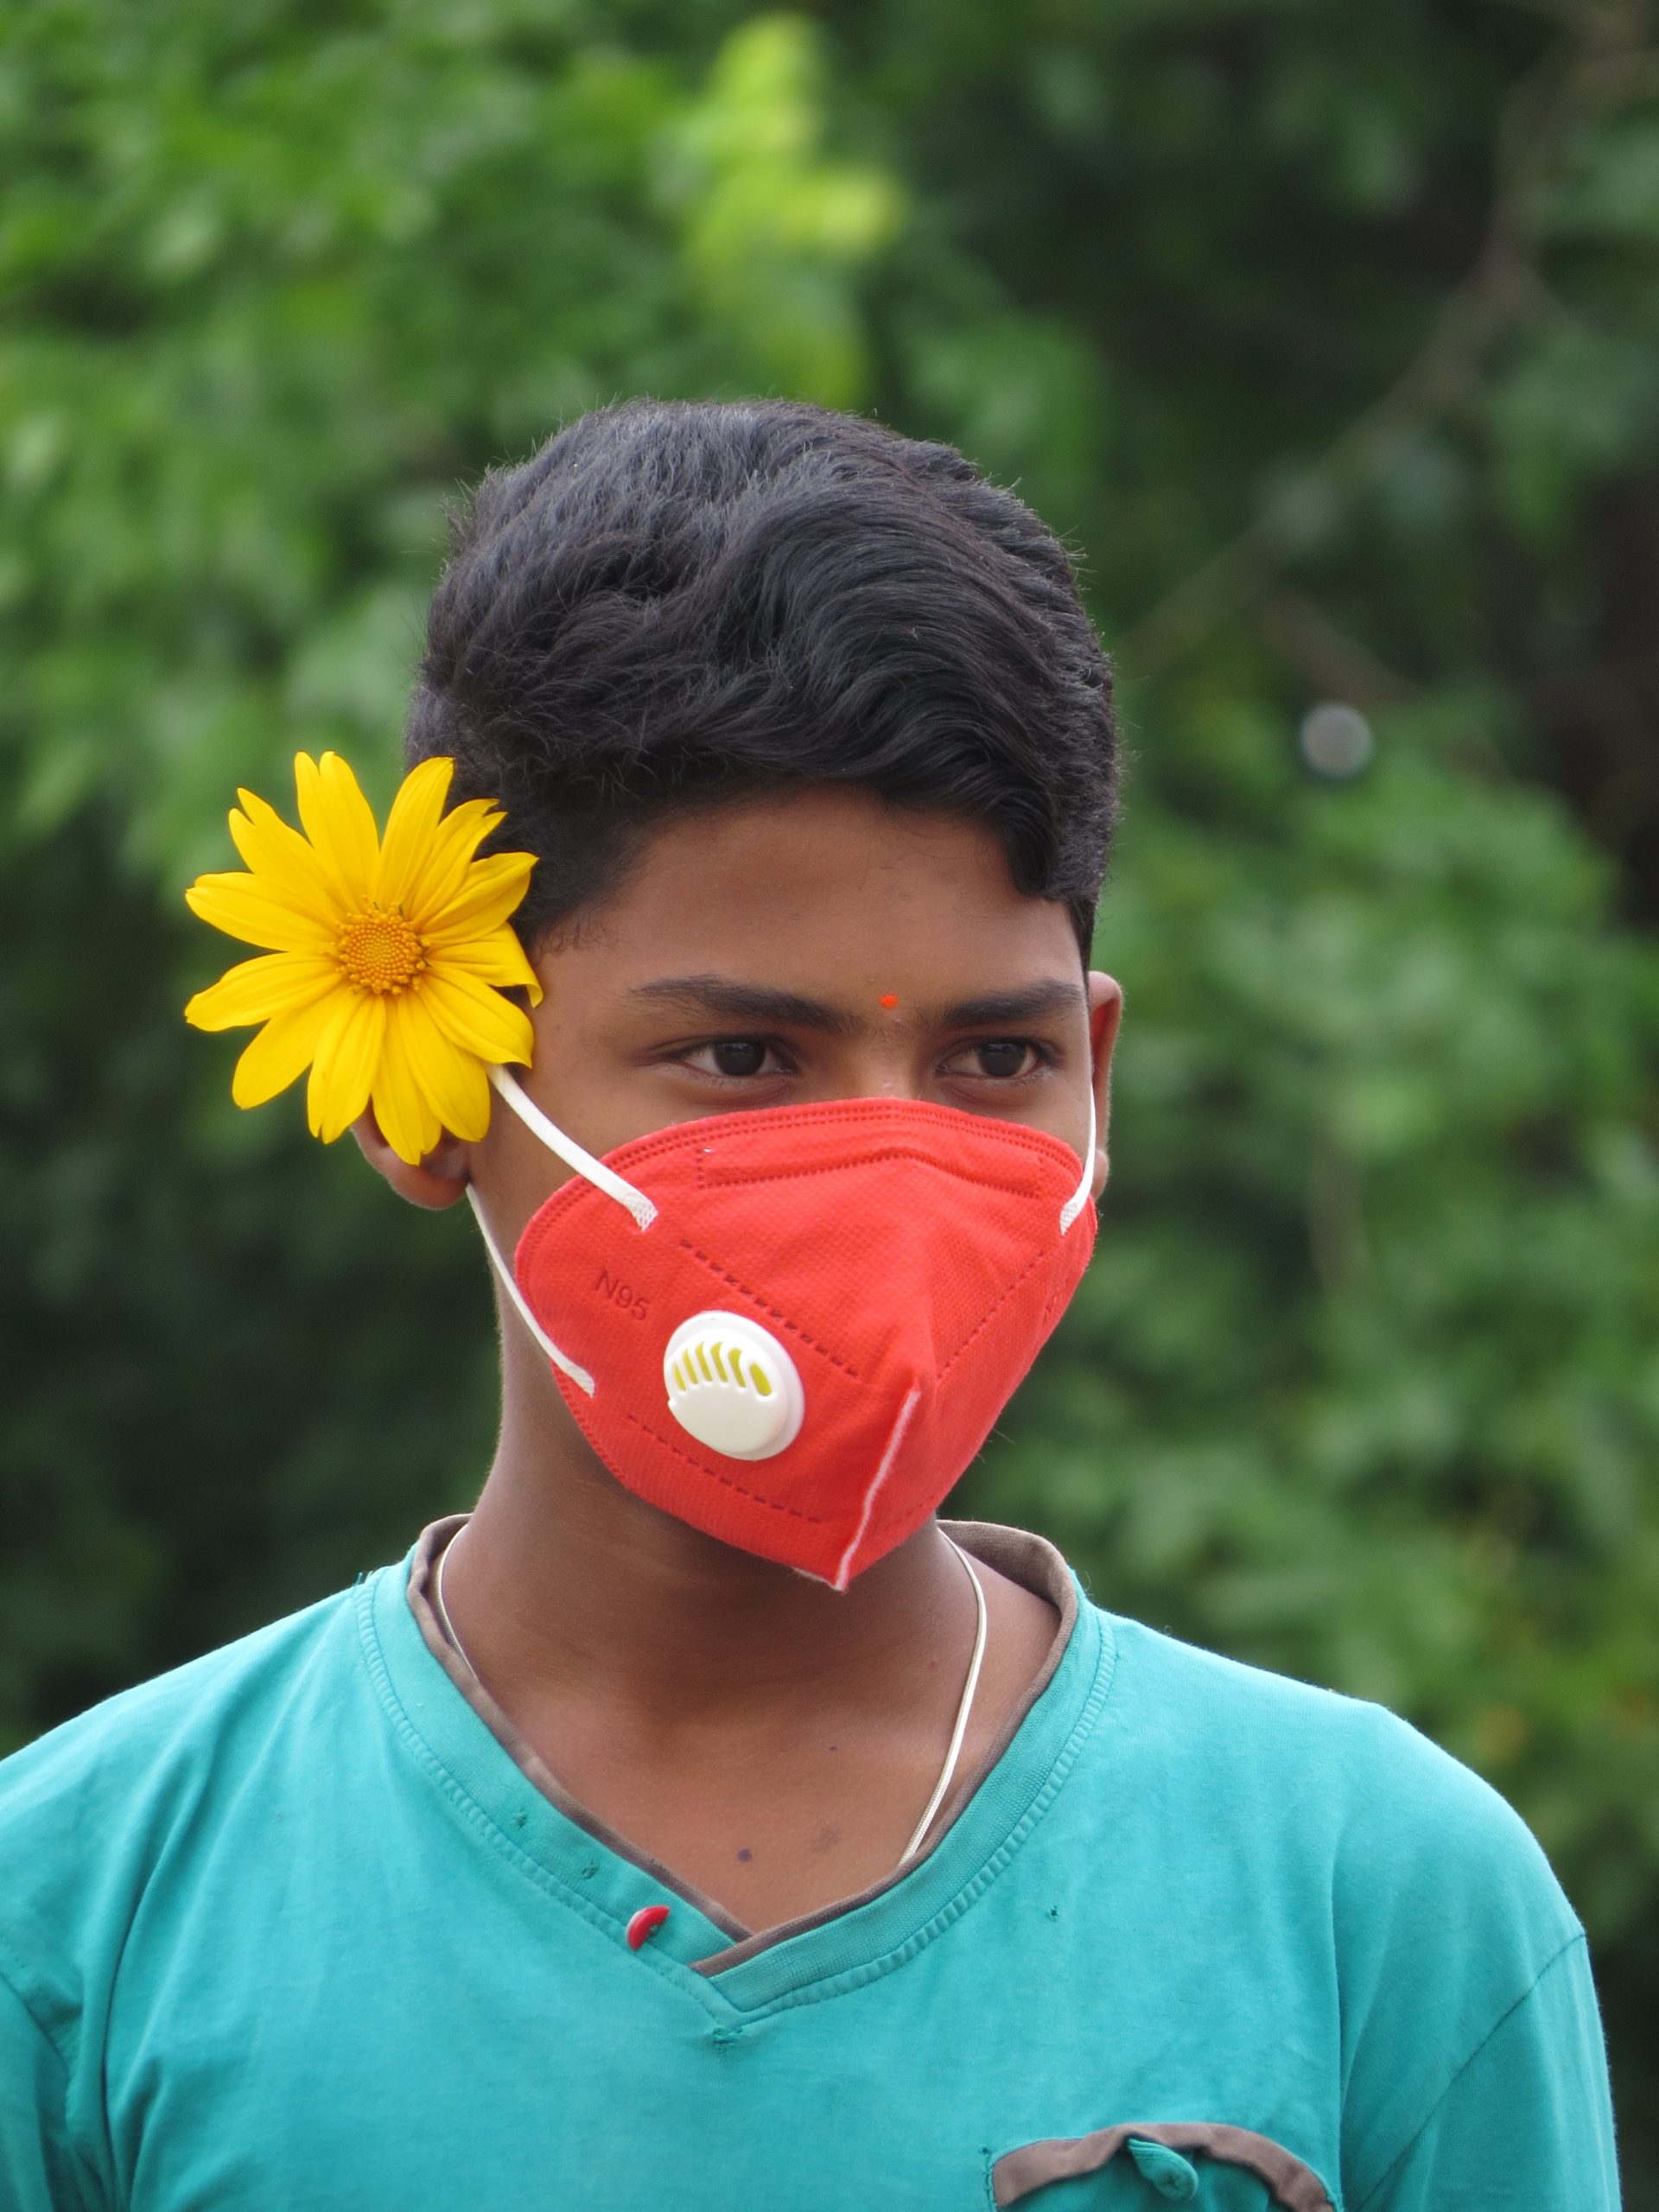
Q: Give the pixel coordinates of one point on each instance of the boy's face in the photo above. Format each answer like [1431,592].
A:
[787,952]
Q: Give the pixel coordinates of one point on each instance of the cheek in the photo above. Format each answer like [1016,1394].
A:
[1072,1115]
[513,1173]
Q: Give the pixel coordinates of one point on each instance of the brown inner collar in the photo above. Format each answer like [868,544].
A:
[1029,1560]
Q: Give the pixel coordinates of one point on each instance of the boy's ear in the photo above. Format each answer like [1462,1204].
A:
[441,1178]
[1105,1012]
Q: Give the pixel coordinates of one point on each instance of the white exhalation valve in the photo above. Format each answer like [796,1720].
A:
[733,1386]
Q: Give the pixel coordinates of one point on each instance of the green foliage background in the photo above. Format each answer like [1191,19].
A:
[1330,335]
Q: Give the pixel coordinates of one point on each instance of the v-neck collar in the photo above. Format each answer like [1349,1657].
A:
[493,1779]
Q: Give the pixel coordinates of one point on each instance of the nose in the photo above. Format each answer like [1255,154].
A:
[885,1066]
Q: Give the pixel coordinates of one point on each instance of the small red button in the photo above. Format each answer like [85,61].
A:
[644,1923]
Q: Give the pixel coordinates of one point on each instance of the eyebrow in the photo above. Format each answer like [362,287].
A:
[1037,1002]
[755,1002]
[760,1003]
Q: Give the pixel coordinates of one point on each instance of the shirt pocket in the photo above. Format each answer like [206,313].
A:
[1143,2166]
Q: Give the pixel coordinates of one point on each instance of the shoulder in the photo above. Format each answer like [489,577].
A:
[1370,1795]
[1382,1869]
[91,1812]
[177,1724]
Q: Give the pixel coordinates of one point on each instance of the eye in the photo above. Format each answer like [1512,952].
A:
[734,1058]
[1002,1059]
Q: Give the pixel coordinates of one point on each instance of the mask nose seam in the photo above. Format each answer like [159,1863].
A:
[715,1179]
[771,1313]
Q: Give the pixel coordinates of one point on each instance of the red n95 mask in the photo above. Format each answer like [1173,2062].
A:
[792,1328]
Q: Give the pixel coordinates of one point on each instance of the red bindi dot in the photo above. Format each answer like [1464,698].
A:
[888,999]
[644,1923]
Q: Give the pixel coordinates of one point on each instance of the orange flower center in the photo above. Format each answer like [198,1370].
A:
[379,950]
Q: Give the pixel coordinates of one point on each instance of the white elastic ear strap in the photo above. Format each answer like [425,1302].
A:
[1079,1199]
[566,1365]
[601,1177]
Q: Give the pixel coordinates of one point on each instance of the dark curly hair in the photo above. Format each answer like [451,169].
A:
[674,605]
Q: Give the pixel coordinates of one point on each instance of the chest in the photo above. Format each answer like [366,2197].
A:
[424,2048]
[768,1830]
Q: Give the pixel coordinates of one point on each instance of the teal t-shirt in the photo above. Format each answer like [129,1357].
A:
[290,1930]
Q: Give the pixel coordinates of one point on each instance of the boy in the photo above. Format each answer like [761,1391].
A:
[701,1822]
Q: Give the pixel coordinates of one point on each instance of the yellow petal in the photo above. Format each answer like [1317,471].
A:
[487,894]
[255,990]
[478,1019]
[340,825]
[255,910]
[497,958]
[443,871]
[278,1055]
[453,1081]
[348,1052]
[271,849]
[408,1119]
[410,828]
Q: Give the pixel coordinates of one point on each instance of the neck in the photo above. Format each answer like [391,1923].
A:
[564,1577]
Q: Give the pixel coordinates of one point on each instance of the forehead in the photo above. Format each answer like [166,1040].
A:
[829,884]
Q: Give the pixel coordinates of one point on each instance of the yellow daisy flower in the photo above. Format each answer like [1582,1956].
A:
[387,958]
